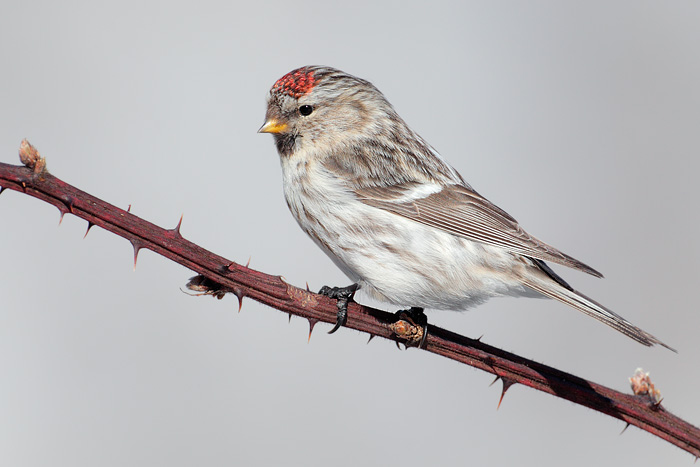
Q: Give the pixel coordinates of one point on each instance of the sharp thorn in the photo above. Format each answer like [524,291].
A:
[90,224]
[397,345]
[290,318]
[479,338]
[63,210]
[312,323]
[494,381]
[128,209]
[248,263]
[137,248]
[627,425]
[239,295]
[176,230]
[507,383]
[136,256]
[2,188]
[307,287]
[230,265]
[371,336]
[503,393]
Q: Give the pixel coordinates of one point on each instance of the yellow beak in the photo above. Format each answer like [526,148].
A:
[272,126]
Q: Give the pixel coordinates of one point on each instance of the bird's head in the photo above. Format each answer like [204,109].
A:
[322,108]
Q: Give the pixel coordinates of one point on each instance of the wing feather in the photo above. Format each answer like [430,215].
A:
[461,211]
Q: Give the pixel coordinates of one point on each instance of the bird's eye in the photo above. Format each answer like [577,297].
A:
[306,110]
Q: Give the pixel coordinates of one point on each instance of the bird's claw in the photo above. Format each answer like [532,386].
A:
[344,296]
[341,318]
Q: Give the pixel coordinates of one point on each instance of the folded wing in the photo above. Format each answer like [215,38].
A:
[461,211]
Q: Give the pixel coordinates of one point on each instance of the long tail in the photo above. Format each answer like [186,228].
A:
[546,282]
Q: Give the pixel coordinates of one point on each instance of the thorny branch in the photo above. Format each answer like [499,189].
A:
[220,276]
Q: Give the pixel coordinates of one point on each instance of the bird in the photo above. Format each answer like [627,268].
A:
[394,216]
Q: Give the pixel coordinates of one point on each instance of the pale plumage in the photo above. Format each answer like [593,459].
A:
[393,215]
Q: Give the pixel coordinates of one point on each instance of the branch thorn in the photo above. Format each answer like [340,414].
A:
[63,213]
[176,230]
[312,323]
[507,383]
[627,425]
[239,295]
[137,248]
[68,202]
[90,224]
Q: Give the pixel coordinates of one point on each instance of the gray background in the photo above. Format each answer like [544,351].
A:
[582,121]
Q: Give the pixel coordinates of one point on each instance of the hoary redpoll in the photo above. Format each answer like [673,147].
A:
[393,215]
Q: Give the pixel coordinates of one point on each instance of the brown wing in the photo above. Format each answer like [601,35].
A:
[463,212]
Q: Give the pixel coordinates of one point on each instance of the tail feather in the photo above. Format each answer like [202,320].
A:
[548,287]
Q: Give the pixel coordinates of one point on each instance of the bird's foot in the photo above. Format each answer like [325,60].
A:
[415,334]
[344,296]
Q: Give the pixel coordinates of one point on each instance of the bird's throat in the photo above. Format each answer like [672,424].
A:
[285,143]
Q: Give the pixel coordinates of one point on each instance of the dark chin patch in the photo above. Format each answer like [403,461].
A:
[285,144]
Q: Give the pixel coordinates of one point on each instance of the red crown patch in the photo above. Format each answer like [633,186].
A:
[296,83]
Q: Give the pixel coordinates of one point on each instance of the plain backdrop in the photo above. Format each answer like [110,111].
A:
[581,119]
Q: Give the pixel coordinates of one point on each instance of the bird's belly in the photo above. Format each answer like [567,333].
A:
[401,261]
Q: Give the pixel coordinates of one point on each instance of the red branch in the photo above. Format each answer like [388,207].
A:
[222,275]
